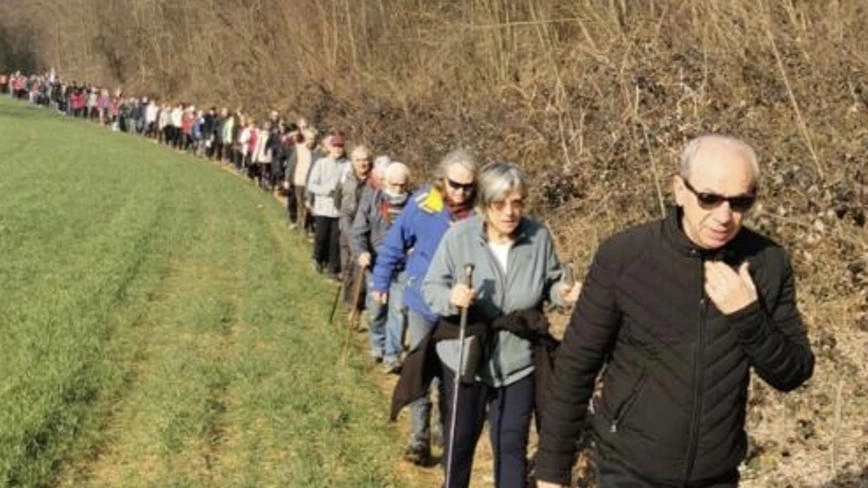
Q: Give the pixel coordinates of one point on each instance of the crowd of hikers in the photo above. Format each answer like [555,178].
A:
[453,276]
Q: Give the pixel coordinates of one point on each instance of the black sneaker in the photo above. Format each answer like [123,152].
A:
[418,454]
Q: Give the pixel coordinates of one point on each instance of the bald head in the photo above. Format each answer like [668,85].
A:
[397,172]
[718,149]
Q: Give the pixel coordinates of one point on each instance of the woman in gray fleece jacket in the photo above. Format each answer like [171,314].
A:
[515,268]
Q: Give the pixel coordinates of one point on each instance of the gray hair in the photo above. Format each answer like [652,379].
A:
[693,146]
[496,181]
[360,151]
[459,157]
[380,165]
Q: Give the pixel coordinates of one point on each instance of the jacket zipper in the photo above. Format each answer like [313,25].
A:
[692,440]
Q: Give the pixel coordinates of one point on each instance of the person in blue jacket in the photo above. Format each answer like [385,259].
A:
[413,239]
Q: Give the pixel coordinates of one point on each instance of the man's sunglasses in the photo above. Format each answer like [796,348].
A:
[708,200]
[466,187]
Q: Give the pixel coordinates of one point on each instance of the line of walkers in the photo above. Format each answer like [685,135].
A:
[678,310]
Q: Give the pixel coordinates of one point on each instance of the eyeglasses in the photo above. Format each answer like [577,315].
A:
[516,204]
[465,187]
[708,200]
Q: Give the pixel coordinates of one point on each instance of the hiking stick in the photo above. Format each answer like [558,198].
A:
[335,302]
[351,327]
[568,279]
[357,290]
[569,276]
[344,270]
[456,381]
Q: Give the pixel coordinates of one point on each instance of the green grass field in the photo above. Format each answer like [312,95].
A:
[160,326]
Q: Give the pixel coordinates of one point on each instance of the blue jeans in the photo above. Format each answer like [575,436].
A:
[387,320]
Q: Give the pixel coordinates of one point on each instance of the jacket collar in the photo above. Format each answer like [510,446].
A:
[674,235]
[522,232]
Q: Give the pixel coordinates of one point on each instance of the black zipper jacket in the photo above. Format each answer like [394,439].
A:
[674,392]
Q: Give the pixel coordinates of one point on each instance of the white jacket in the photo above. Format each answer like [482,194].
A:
[243,139]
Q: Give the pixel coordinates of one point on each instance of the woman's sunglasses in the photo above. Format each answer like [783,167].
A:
[466,187]
[517,204]
[708,200]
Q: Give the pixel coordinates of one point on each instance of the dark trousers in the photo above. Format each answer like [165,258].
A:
[292,204]
[509,410]
[610,474]
[326,244]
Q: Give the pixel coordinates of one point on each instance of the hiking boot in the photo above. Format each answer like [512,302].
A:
[391,366]
[418,454]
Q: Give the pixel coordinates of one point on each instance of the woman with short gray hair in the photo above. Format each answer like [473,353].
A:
[515,270]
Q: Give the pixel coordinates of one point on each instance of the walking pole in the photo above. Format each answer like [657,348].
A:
[335,302]
[462,326]
[357,289]
[344,270]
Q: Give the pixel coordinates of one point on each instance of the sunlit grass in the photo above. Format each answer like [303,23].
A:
[160,327]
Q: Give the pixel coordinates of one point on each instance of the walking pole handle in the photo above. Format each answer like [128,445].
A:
[468,274]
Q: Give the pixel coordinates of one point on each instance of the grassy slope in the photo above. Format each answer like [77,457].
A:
[159,327]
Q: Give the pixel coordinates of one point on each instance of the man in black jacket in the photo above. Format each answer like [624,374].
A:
[680,310]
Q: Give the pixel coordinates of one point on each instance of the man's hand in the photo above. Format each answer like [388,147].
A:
[364,259]
[380,297]
[729,290]
[461,295]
